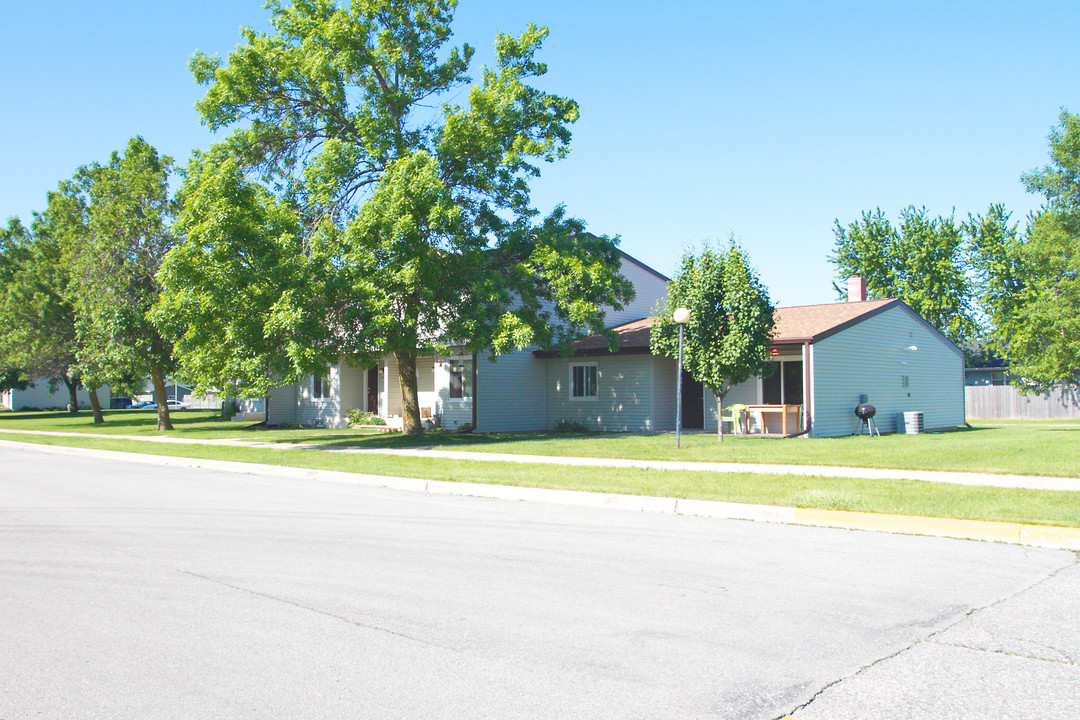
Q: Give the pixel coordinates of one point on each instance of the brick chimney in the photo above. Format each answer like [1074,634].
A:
[856,289]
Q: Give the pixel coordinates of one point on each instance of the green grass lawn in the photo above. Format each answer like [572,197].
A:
[1029,448]
[901,497]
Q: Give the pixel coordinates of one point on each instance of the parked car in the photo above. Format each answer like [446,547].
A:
[119,403]
[173,405]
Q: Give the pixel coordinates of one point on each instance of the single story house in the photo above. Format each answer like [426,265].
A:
[985,367]
[828,357]
[38,395]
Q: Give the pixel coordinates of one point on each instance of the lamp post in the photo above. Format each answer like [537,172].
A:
[681,316]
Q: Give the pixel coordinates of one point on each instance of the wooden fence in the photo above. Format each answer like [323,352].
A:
[1003,402]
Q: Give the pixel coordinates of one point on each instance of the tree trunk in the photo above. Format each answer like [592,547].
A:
[410,404]
[719,419]
[73,393]
[95,406]
[157,375]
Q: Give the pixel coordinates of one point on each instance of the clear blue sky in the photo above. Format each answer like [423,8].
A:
[699,118]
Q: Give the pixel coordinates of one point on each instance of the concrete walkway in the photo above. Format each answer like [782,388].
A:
[1030,482]
[1033,482]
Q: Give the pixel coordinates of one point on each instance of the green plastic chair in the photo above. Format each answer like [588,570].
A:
[734,415]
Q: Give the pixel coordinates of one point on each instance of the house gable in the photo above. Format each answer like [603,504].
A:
[898,361]
[650,288]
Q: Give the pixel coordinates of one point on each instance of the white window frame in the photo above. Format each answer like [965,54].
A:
[466,363]
[596,383]
[325,386]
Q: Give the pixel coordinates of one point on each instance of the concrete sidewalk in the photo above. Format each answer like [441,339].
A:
[1030,482]
[1015,533]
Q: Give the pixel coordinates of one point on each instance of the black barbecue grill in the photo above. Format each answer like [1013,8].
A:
[866,412]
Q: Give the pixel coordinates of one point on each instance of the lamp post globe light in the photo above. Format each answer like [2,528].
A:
[681,316]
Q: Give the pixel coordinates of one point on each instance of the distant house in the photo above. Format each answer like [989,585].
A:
[38,395]
[827,358]
[184,393]
[174,390]
[985,368]
[991,394]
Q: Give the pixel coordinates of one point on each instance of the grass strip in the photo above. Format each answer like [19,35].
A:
[1031,448]
[894,497]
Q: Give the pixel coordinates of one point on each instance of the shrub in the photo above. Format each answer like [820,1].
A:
[464,428]
[229,409]
[358,416]
[570,426]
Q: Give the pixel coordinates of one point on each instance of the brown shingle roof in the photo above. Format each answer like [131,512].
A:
[815,322]
[633,337]
[796,324]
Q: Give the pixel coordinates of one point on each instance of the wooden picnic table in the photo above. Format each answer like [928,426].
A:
[784,411]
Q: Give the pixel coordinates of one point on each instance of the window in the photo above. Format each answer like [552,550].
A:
[583,382]
[785,385]
[320,385]
[461,379]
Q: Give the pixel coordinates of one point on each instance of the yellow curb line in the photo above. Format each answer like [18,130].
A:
[1017,533]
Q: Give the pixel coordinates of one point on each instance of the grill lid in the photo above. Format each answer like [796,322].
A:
[865,410]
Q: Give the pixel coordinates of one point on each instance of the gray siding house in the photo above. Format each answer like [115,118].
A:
[39,395]
[507,394]
[827,358]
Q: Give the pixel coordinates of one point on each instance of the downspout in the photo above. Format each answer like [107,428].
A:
[475,395]
[808,393]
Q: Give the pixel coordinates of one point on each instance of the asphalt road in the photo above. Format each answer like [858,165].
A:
[134,590]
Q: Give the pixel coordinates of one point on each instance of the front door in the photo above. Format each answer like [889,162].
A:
[373,390]
[693,403]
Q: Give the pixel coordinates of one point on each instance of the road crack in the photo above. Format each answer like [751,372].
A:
[932,638]
[1068,659]
[318,611]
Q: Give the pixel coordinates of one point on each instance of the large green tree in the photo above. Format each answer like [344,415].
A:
[1041,335]
[728,338]
[998,273]
[12,239]
[241,297]
[415,201]
[36,310]
[920,261]
[115,222]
